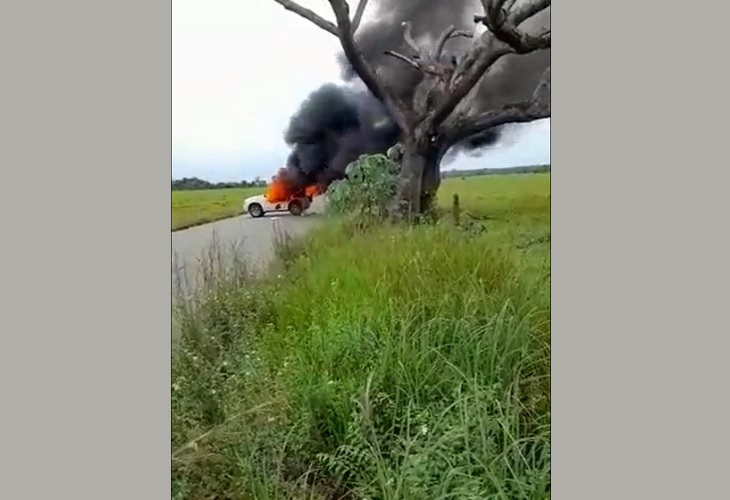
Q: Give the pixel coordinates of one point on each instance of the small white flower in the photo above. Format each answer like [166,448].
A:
[424,430]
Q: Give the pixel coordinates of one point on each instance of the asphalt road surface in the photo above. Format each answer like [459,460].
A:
[244,237]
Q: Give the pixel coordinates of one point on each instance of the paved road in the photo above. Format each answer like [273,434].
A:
[249,239]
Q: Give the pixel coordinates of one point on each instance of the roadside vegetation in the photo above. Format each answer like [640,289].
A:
[376,360]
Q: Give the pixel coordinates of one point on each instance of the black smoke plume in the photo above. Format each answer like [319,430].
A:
[336,124]
[333,127]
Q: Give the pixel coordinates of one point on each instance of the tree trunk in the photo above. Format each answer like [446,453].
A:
[420,177]
[431,182]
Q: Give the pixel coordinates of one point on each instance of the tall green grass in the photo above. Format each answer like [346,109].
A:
[391,363]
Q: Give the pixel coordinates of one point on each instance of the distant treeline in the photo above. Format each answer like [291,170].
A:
[530,169]
[193,183]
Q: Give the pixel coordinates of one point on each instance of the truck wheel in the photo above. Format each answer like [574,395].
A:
[295,208]
[255,210]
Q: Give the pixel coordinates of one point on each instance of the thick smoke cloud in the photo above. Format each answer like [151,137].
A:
[336,124]
[333,127]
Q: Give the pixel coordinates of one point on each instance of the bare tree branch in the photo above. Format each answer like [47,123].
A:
[441,42]
[357,18]
[448,33]
[416,62]
[363,69]
[503,37]
[536,108]
[309,15]
[468,74]
[494,10]
[504,25]
[520,42]
[507,6]
[429,61]
[408,38]
[523,112]
[405,59]
[526,10]
[344,30]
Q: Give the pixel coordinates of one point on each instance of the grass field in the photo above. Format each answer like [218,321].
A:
[191,208]
[398,362]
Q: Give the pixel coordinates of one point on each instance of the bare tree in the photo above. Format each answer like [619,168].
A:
[438,116]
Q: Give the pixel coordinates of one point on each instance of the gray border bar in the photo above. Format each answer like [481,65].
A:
[85,349]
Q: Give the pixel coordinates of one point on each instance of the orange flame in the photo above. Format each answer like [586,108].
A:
[279,190]
[312,191]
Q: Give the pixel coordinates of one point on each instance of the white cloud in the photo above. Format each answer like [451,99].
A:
[240,69]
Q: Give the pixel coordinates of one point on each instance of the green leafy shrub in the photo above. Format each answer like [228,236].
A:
[370,185]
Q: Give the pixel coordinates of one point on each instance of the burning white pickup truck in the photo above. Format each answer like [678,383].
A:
[259,205]
[280,196]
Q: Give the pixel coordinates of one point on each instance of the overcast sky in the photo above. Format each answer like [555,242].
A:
[241,68]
